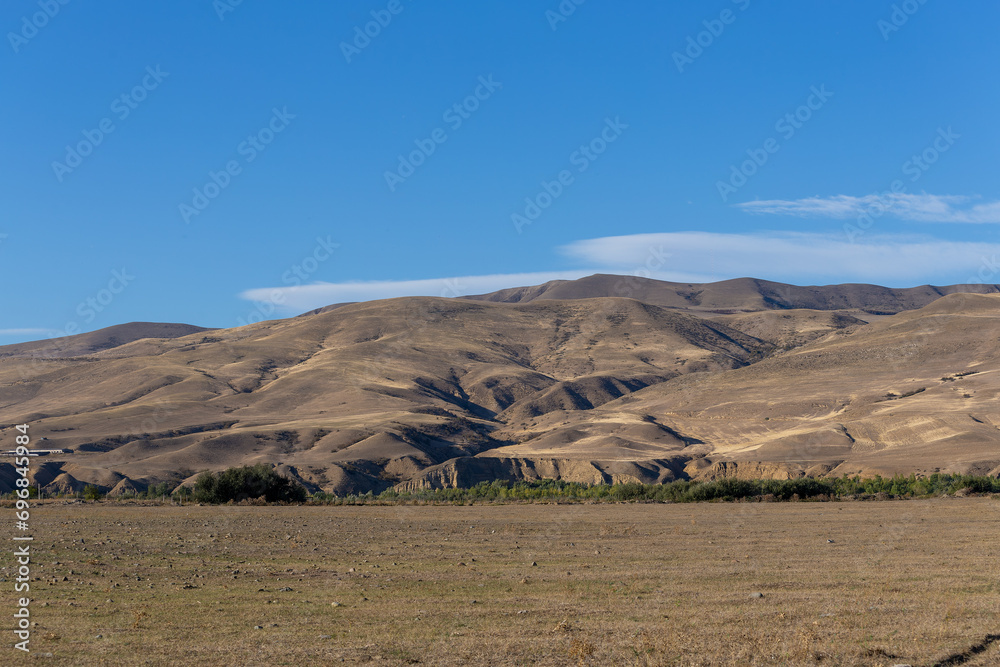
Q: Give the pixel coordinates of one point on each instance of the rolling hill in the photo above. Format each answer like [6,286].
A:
[96,341]
[737,296]
[566,379]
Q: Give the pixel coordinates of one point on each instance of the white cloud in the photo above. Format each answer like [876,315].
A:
[302,298]
[695,257]
[796,257]
[306,297]
[916,207]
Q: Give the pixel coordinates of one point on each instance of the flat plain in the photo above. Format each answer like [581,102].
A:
[839,583]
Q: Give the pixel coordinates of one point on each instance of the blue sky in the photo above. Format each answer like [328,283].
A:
[220,162]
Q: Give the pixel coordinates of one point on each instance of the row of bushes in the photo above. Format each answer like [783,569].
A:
[235,484]
[686,491]
[262,482]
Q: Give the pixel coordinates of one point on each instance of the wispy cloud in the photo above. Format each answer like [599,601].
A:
[301,298]
[796,257]
[915,207]
[694,257]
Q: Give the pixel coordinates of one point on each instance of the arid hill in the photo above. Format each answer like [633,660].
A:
[95,341]
[427,392]
[915,392]
[737,296]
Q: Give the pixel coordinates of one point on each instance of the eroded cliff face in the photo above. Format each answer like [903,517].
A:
[754,470]
[470,471]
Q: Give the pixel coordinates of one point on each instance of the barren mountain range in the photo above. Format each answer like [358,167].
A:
[606,378]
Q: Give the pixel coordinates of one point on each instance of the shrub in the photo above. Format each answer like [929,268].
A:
[91,492]
[245,483]
[159,490]
[683,491]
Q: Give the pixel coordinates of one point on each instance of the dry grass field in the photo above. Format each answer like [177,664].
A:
[843,583]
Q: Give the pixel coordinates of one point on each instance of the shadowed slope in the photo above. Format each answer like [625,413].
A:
[914,392]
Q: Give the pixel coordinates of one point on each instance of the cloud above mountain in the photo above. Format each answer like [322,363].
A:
[798,258]
[915,207]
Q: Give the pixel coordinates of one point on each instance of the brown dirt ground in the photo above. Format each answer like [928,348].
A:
[907,582]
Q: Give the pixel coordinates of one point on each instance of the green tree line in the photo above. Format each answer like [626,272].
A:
[684,491]
[262,482]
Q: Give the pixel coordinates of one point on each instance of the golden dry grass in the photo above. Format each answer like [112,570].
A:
[902,582]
